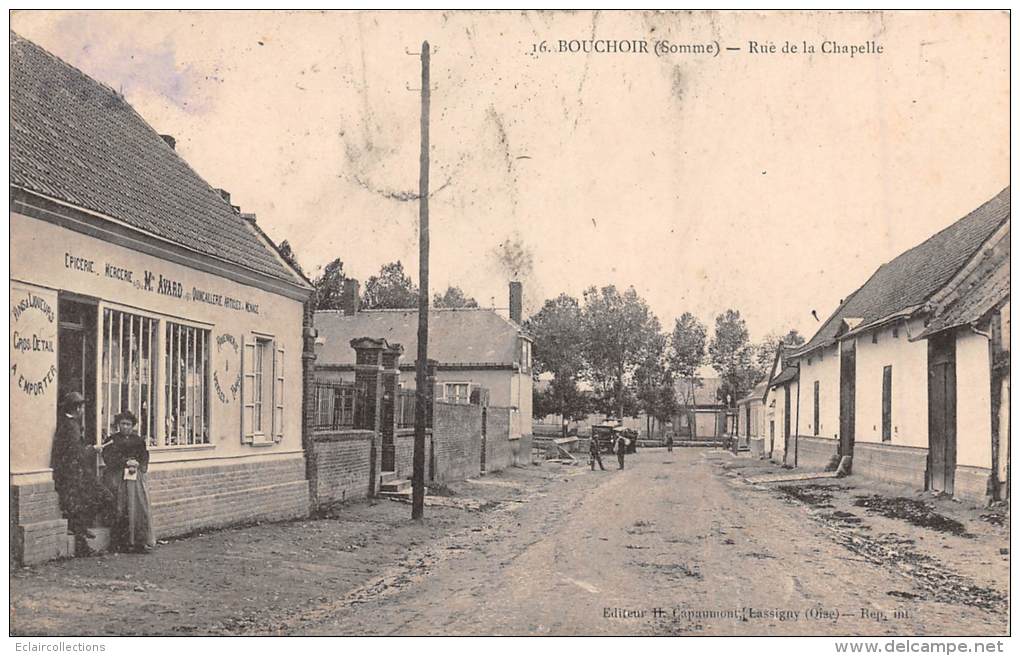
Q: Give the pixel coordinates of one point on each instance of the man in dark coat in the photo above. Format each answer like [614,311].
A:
[593,453]
[620,444]
[82,496]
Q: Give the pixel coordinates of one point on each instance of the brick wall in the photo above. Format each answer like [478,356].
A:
[342,465]
[457,431]
[403,445]
[191,498]
[498,454]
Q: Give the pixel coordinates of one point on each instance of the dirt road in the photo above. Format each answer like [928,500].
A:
[676,544]
[672,532]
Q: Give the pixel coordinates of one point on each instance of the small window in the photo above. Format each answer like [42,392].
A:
[458,392]
[887,404]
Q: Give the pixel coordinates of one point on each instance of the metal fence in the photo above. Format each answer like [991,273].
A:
[405,409]
[337,405]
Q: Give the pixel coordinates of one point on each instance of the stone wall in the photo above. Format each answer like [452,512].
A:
[812,452]
[889,463]
[38,530]
[972,483]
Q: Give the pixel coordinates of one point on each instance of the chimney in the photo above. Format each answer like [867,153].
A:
[350,297]
[516,300]
[248,216]
[170,141]
[224,194]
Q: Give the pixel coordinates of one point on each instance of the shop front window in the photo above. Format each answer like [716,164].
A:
[128,369]
[186,386]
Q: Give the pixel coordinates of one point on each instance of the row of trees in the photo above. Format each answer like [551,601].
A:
[611,343]
[392,288]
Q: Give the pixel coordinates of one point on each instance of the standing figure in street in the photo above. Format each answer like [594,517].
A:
[620,446]
[82,497]
[593,453]
[669,442]
[127,464]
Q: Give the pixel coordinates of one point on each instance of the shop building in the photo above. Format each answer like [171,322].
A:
[139,285]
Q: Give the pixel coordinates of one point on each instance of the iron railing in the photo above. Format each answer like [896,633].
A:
[337,405]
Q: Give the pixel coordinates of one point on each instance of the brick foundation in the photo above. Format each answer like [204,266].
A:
[209,496]
[813,452]
[904,465]
[971,483]
[38,531]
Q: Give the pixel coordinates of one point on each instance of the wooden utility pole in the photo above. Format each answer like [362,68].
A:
[422,395]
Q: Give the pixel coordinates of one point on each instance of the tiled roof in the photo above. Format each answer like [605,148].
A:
[461,336]
[756,394]
[908,281]
[78,141]
[977,294]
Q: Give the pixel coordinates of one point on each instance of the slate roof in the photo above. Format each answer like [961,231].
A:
[461,336]
[905,284]
[78,141]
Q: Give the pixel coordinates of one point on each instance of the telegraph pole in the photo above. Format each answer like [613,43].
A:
[422,395]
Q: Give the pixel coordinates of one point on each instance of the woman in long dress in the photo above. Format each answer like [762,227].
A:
[127,464]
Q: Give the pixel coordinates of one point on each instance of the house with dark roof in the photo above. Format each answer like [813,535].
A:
[778,408]
[481,355]
[898,379]
[138,285]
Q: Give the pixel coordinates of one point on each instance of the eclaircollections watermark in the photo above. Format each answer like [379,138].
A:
[61,646]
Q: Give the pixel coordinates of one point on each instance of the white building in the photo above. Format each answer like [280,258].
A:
[138,285]
[900,376]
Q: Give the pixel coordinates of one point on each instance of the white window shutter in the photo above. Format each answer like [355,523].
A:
[278,384]
[247,390]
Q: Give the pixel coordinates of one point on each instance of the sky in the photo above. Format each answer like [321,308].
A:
[772,183]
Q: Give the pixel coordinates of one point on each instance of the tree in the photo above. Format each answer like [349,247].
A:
[453,297]
[765,352]
[732,356]
[686,355]
[653,381]
[329,286]
[391,289]
[618,331]
[287,253]
[556,330]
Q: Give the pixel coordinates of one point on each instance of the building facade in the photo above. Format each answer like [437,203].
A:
[902,376]
[138,285]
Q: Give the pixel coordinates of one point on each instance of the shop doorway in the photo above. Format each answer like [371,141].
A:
[76,356]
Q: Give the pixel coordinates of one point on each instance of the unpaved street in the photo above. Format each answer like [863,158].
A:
[560,550]
[672,532]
